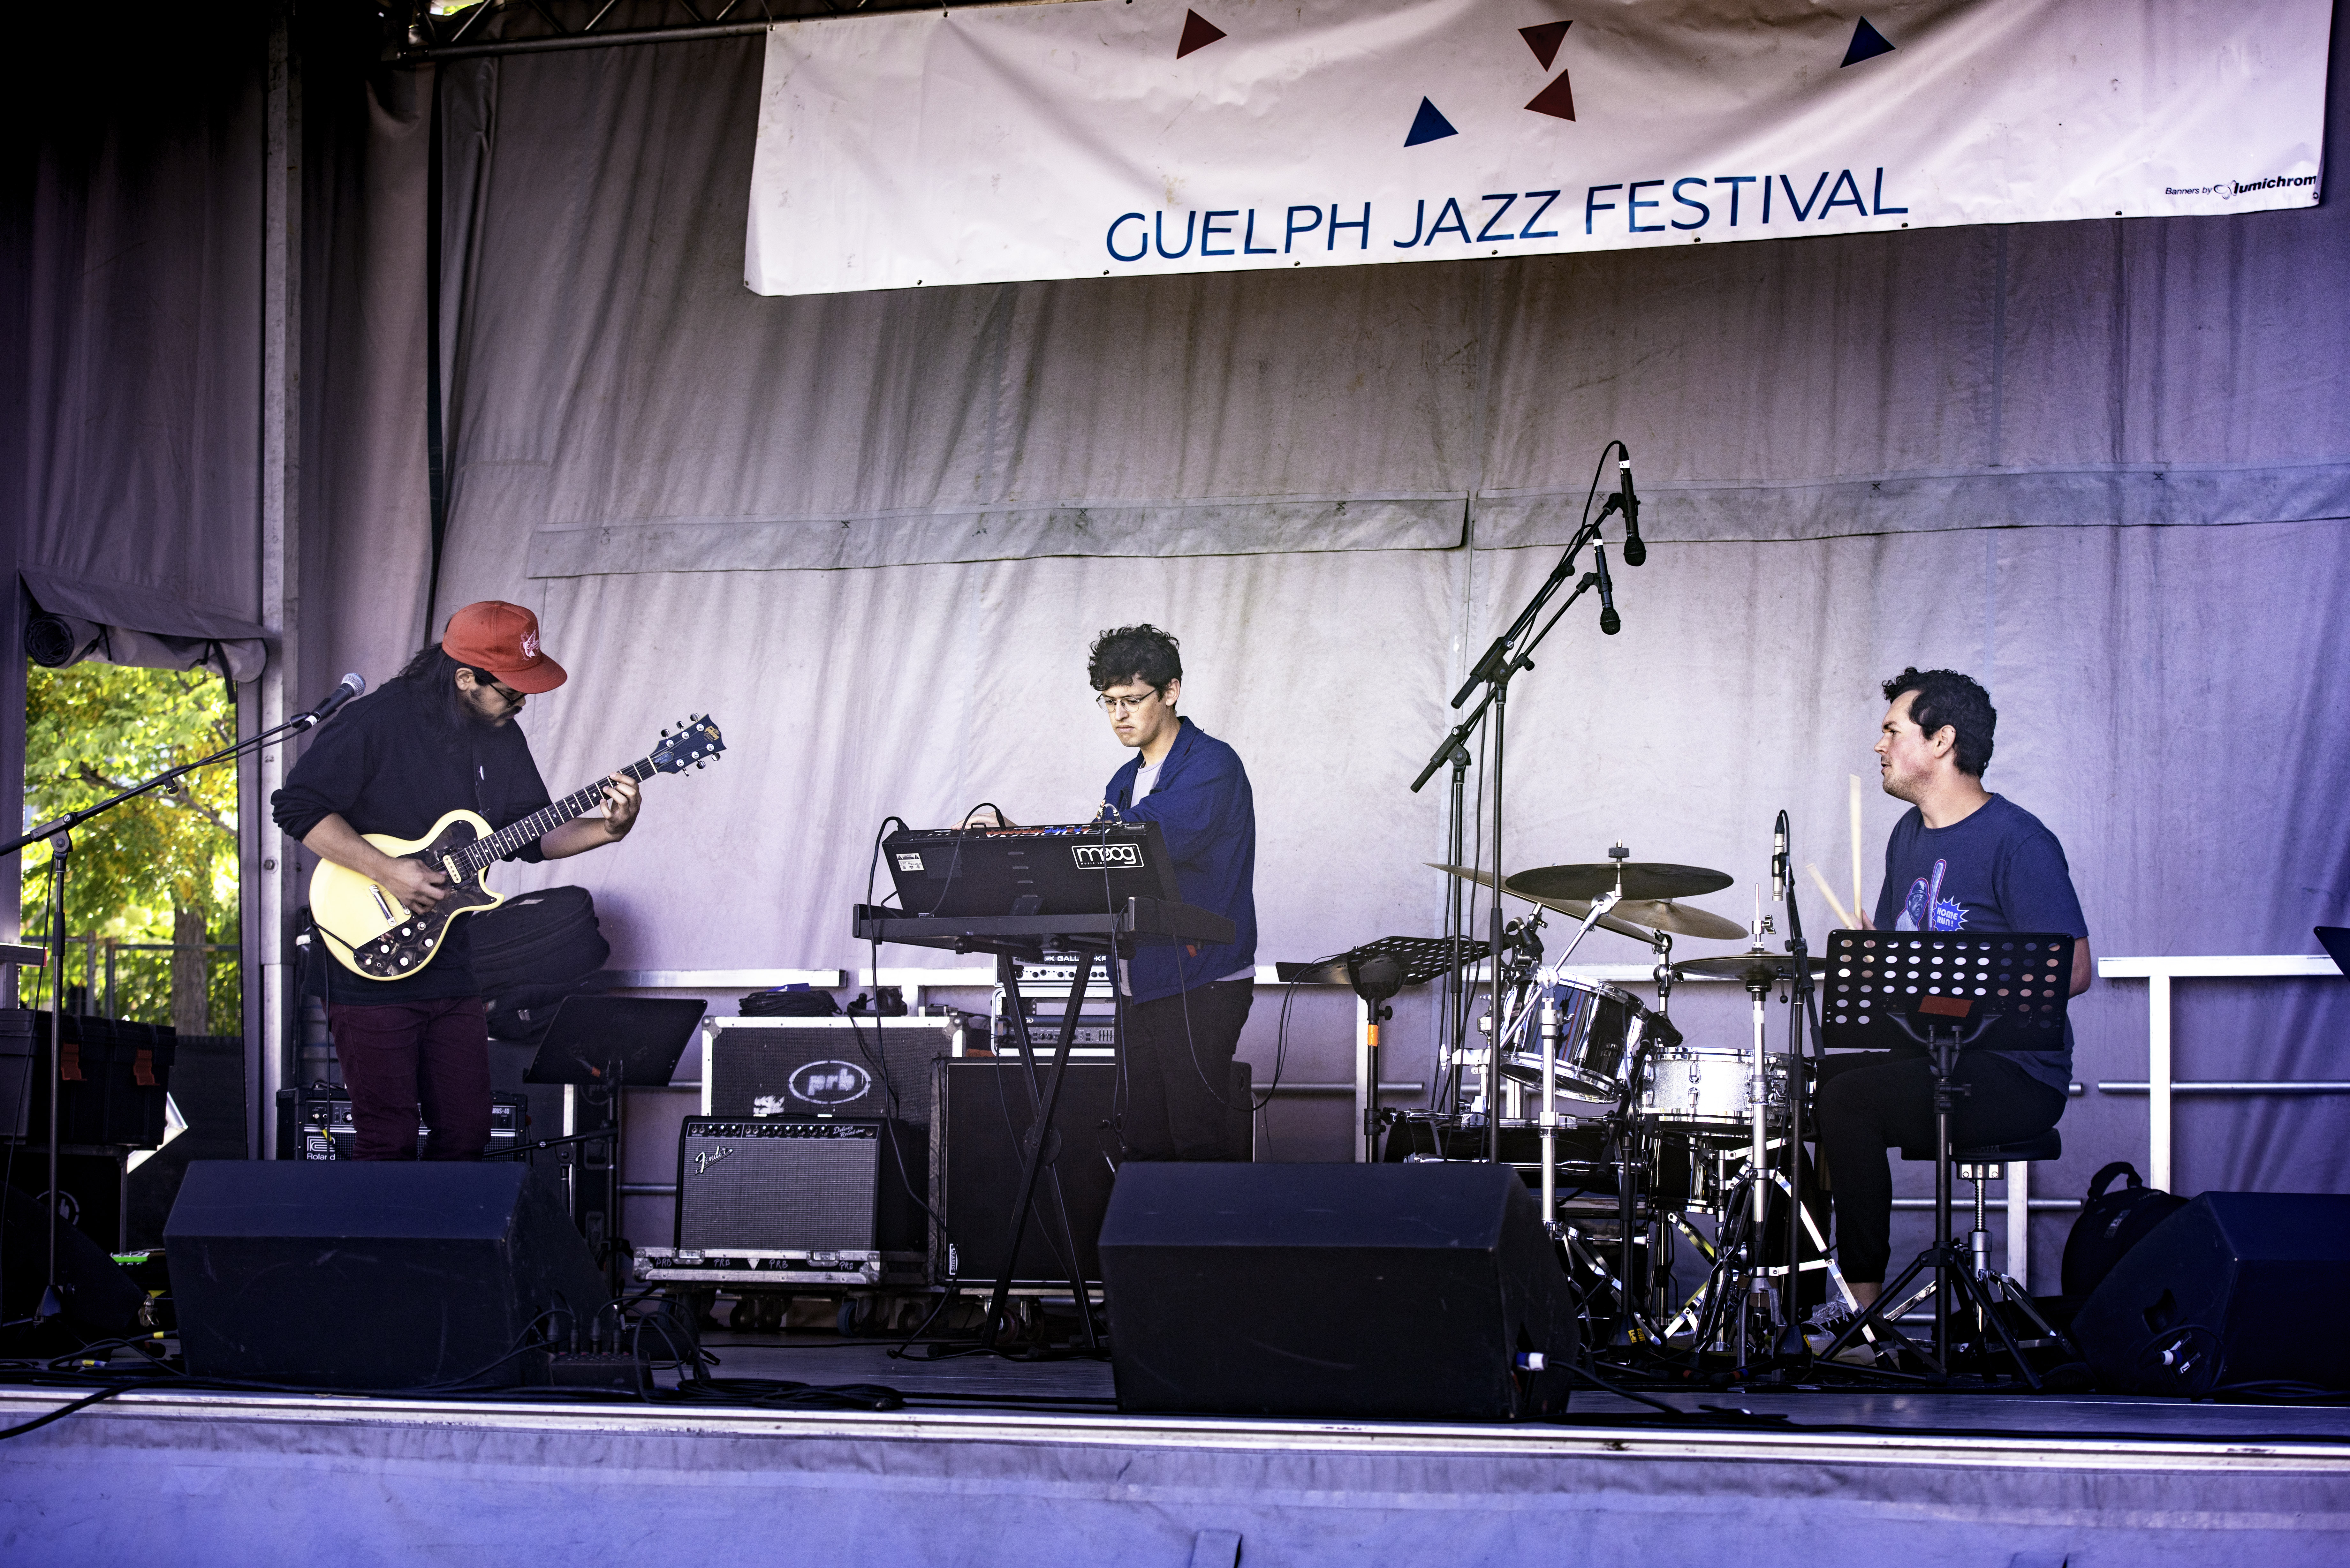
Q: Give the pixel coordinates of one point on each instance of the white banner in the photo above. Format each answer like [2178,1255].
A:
[1110,137]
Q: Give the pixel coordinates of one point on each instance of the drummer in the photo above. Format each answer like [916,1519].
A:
[1960,859]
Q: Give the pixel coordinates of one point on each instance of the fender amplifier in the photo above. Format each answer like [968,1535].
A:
[799,1196]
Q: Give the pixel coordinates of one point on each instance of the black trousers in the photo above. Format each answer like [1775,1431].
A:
[1872,1101]
[1178,1072]
[399,1055]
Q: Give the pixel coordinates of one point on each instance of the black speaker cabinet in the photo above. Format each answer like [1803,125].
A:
[2236,1287]
[981,1115]
[796,1187]
[382,1275]
[1382,1291]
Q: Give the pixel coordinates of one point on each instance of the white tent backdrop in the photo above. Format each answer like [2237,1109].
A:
[2104,466]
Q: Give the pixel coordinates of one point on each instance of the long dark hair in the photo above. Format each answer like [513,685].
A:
[432,675]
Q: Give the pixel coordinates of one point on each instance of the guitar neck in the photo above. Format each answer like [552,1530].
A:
[517,835]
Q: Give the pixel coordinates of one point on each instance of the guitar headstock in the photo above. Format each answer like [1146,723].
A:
[694,744]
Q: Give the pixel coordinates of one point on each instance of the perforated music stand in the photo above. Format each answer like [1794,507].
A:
[1948,991]
[1892,991]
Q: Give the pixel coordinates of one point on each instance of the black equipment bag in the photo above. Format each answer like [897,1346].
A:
[543,937]
[791,1001]
[2111,1223]
[532,952]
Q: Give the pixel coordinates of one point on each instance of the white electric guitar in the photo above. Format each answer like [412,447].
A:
[375,936]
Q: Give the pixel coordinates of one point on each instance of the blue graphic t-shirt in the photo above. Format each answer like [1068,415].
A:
[1999,870]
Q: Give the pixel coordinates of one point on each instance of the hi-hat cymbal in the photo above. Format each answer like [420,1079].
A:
[1749,967]
[1642,879]
[1576,909]
[1681,920]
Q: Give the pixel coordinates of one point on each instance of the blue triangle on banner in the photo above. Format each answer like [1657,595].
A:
[1867,43]
[1428,125]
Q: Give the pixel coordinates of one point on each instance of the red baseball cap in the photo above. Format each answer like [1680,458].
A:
[502,639]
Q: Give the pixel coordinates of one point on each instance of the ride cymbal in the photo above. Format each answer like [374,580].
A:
[1642,879]
[1577,909]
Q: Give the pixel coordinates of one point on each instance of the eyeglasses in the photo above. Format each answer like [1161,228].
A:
[1117,706]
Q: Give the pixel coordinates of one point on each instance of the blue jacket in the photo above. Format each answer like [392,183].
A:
[1204,807]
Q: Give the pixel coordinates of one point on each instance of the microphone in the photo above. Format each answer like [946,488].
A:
[1609,621]
[1779,860]
[1635,553]
[349,687]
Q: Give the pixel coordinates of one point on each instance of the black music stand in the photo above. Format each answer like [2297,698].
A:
[1415,961]
[600,1045]
[1948,991]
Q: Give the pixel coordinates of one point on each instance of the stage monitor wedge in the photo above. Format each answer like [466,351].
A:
[1405,1292]
[385,1275]
[2236,1288]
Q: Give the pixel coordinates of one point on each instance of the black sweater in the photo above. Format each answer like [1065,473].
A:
[388,764]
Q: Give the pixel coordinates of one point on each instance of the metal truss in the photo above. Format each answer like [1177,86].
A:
[418,31]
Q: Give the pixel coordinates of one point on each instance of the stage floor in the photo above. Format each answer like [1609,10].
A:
[993,1462]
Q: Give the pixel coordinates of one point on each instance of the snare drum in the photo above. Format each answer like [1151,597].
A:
[1703,1093]
[1601,1028]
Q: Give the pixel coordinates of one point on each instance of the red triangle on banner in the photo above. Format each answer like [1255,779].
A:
[1557,99]
[1545,40]
[1198,34]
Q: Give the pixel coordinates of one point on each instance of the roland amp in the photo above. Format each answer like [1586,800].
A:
[782,1202]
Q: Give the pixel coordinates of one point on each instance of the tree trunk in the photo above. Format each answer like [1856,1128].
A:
[191,998]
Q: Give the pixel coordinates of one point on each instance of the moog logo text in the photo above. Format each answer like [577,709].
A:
[1109,856]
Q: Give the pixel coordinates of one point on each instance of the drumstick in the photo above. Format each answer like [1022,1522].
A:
[1829,893]
[1855,846]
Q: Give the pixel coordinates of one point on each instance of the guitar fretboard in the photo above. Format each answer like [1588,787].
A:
[520,835]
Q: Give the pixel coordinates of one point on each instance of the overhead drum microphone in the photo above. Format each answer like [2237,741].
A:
[1609,621]
[1779,869]
[1627,501]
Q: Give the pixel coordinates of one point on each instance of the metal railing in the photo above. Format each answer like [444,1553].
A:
[132,981]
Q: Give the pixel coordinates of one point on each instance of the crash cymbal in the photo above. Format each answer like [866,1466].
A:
[1682,919]
[1642,879]
[1575,908]
[1748,966]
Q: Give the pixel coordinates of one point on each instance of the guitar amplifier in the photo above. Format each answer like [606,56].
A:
[315,1122]
[789,1201]
[980,1119]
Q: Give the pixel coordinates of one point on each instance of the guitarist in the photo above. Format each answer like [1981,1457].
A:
[438,737]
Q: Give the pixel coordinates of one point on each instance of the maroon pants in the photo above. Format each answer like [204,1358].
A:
[435,1054]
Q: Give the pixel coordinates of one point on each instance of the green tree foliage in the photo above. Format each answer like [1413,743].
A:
[165,859]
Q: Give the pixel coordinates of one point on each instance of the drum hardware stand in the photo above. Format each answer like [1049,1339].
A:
[1804,1010]
[1445,1094]
[1494,671]
[1953,1264]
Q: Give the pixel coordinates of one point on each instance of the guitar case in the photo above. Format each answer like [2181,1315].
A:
[532,952]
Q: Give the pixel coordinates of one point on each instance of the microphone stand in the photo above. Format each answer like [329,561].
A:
[1494,671]
[59,831]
